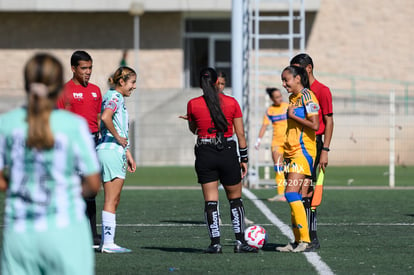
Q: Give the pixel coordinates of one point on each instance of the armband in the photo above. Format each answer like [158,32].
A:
[326,149]
[244,157]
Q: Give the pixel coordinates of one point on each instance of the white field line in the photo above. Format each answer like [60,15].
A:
[265,224]
[262,224]
[312,257]
[198,187]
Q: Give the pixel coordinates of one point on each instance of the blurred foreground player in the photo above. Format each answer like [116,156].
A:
[41,152]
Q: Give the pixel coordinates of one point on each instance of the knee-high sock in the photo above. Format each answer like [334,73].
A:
[298,215]
[313,225]
[211,216]
[280,179]
[108,227]
[237,218]
[311,216]
[91,214]
[295,229]
[307,204]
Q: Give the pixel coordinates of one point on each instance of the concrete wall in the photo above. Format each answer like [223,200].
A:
[371,38]
[366,38]
[103,35]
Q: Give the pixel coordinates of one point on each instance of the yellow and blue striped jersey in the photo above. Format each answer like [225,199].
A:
[277,116]
[301,139]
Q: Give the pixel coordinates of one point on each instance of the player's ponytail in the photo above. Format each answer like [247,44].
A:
[271,90]
[123,73]
[208,78]
[43,76]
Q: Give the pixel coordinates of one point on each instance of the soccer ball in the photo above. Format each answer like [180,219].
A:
[255,236]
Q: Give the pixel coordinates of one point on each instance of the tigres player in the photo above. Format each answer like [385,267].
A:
[276,115]
[299,150]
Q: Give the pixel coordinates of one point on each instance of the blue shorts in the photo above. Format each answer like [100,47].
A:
[65,250]
[113,164]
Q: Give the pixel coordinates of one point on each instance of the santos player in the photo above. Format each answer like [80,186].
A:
[41,152]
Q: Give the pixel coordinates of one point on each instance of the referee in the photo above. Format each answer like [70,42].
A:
[84,99]
[212,118]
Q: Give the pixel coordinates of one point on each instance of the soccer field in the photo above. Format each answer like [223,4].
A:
[361,231]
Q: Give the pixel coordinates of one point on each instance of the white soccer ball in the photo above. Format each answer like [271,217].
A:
[255,236]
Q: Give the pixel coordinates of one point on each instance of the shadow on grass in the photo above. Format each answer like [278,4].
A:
[183,222]
[175,249]
[271,247]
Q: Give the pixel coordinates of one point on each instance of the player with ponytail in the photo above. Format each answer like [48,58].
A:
[113,152]
[42,150]
[212,117]
[299,150]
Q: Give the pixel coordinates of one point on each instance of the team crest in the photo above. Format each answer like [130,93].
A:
[312,108]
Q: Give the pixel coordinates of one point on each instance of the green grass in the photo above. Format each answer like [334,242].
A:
[361,232]
[162,176]
[351,241]
[368,176]
[335,176]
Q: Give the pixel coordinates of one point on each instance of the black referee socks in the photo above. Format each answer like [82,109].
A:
[311,217]
[237,218]
[211,216]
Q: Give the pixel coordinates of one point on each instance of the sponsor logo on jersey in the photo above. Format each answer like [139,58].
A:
[94,95]
[78,95]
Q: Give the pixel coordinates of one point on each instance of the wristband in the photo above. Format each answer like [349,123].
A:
[244,157]
[326,149]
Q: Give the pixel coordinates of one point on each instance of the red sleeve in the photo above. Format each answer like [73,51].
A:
[98,107]
[189,111]
[325,101]
[63,101]
[237,111]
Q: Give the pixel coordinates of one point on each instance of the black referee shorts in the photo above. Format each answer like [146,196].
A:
[212,164]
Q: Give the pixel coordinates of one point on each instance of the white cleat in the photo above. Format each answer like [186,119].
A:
[113,248]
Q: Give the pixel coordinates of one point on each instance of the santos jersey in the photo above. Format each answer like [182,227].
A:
[114,101]
[44,188]
[301,139]
[277,115]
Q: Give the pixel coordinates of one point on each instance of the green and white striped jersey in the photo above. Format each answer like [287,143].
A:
[44,189]
[115,101]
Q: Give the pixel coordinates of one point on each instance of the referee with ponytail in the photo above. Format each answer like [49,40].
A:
[212,117]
